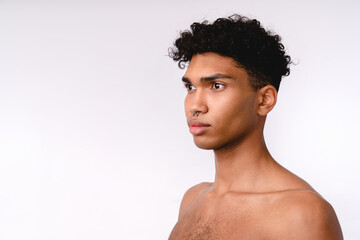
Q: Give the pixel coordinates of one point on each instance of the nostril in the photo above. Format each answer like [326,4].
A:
[195,113]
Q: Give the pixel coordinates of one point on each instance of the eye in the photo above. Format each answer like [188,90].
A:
[189,87]
[218,85]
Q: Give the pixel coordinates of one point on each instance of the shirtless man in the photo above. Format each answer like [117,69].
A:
[235,68]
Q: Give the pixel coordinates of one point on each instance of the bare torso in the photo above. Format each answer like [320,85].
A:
[242,215]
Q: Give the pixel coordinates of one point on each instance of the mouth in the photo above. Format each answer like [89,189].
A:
[197,127]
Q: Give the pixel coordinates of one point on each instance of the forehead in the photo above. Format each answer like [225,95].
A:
[205,64]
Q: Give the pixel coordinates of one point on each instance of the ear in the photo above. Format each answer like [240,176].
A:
[267,97]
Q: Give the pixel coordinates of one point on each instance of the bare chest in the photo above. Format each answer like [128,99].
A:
[218,222]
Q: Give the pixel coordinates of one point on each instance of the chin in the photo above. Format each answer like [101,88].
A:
[206,145]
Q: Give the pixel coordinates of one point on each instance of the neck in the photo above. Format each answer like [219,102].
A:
[243,167]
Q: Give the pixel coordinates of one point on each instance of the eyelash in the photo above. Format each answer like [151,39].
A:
[219,84]
[188,86]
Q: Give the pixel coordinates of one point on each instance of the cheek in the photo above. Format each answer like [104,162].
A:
[234,115]
[229,124]
[186,106]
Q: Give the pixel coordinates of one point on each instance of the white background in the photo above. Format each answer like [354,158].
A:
[93,139]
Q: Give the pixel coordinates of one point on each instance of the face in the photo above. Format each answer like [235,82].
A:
[220,106]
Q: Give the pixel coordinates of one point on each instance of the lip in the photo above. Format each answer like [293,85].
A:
[196,127]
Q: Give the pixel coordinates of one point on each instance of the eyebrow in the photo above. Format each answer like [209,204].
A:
[209,78]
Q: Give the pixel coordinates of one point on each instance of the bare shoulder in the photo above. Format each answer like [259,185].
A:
[307,215]
[191,194]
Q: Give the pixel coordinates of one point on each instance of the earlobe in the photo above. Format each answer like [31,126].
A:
[267,99]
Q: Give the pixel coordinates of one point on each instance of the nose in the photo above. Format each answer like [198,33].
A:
[196,103]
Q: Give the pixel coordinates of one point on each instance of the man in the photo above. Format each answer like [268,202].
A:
[235,68]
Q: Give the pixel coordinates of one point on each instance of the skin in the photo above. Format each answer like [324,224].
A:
[252,197]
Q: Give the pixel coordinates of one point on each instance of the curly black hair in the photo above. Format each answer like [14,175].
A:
[258,51]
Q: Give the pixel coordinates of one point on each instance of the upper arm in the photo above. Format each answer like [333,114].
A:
[190,195]
[315,219]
